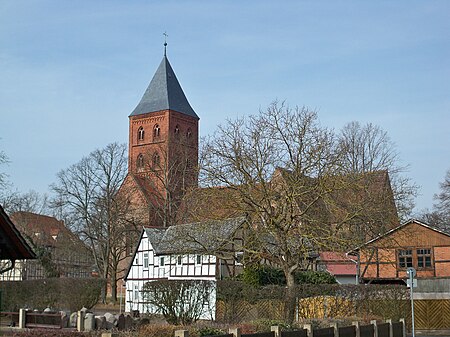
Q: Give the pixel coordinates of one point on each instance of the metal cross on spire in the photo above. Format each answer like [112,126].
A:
[165,42]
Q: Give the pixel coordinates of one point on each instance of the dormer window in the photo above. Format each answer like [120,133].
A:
[141,133]
[156,131]
[140,161]
[156,160]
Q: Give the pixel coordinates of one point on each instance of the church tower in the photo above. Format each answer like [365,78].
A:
[163,145]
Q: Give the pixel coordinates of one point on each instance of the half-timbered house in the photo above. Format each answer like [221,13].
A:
[207,250]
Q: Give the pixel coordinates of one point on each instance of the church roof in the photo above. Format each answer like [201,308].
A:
[164,93]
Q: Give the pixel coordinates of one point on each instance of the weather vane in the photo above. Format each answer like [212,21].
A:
[165,42]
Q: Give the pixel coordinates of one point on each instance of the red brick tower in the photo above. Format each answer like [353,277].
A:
[163,146]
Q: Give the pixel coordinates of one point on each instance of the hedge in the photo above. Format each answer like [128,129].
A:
[58,293]
[263,275]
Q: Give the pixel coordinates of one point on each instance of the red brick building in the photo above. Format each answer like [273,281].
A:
[163,150]
[412,244]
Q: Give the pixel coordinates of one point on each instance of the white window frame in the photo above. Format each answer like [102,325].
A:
[145,260]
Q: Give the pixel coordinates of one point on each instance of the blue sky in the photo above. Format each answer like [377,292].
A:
[72,71]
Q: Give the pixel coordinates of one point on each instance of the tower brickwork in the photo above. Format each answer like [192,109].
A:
[163,147]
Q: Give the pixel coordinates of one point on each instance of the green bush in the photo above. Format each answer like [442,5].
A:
[59,293]
[263,275]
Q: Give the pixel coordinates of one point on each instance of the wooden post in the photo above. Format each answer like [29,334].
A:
[276,329]
[357,331]
[404,326]
[391,329]
[235,331]
[336,329]
[80,320]
[181,333]
[310,329]
[22,318]
[109,334]
[375,327]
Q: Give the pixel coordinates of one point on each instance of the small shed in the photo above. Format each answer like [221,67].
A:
[12,244]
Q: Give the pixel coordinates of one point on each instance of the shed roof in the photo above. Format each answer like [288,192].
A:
[164,93]
[12,244]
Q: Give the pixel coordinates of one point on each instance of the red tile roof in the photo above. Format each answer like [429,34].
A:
[338,263]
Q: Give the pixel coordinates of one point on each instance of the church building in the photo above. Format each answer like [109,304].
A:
[163,150]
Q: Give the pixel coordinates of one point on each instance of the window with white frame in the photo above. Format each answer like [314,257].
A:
[179,260]
[161,261]
[146,260]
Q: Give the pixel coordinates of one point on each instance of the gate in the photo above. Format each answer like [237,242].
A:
[432,314]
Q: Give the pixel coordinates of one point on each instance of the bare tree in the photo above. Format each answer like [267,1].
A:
[31,201]
[368,148]
[284,171]
[167,175]
[87,191]
[443,197]
[3,176]
[440,215]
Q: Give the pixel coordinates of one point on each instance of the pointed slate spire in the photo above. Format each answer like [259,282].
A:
[164,93]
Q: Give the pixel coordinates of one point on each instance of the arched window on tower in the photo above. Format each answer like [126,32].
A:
[156,160]
[140,161]
[189,133]
[176,131]
[141,133]
[156,131]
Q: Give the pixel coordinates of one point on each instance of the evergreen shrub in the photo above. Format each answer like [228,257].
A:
[263,275]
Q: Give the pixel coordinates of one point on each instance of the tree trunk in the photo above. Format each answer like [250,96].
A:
[113,280]
[290,299]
